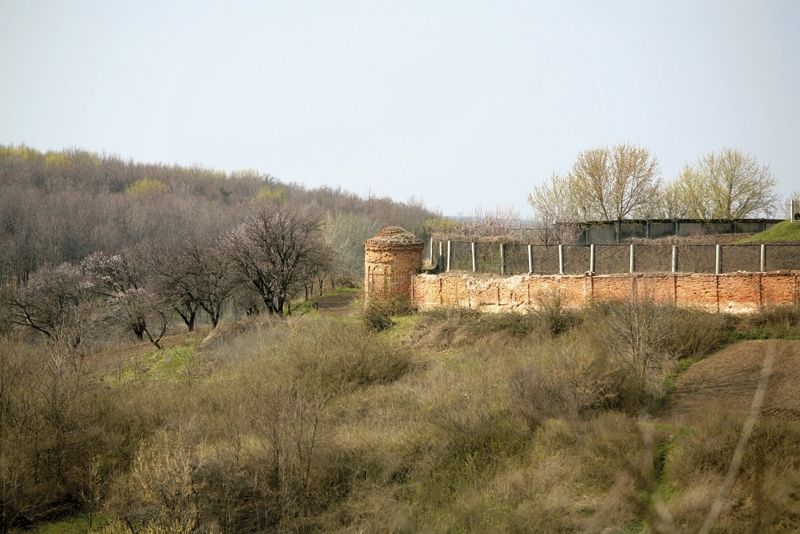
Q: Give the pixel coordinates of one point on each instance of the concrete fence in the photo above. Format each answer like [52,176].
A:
[606,232]
[519,258]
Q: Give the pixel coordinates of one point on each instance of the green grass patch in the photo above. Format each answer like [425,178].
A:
[71,525]
[167,363]
[343,291]
[783,232]
[304,308]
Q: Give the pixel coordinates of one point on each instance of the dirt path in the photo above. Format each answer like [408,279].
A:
[726,381]
[336,304]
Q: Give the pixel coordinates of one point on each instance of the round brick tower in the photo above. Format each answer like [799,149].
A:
[391,258]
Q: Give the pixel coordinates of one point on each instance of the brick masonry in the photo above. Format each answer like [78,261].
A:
[730,293]
[393,260]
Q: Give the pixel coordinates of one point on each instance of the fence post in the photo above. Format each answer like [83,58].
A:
[448,255]
[430,252]
[502,260]
[763,262]
[674,259]
[473,256]
[591,258]
[717,260]
[560,259]
[530,258]
[630,262]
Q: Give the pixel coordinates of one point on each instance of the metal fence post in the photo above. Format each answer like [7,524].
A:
[763,262]
[630,261]
[448,255]
[530,258]
[502,260]
[674,259]
[560,259]
[474,266]
[591,258]
[718,258]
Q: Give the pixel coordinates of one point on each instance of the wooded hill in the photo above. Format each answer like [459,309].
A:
[61,206]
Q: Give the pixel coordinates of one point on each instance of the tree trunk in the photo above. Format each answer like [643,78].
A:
[138,331]
[188,316]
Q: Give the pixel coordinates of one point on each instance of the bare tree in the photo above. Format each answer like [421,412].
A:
[727,185]
[552,201]
[217,279]
[614,183]
[345,233]
[556,209]
[177,279]
[275,251]
[141,312]
[130,303]
[54,302]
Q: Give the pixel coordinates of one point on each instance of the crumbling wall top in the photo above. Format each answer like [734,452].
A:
[393,237]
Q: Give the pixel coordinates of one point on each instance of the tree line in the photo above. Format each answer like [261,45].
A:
[625,181]
[90,241]
[61,206]
[260,264]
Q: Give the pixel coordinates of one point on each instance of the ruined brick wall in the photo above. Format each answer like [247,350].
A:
[391,259]
[732,293]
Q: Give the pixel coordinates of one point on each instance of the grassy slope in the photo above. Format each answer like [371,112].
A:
[784,232]
[438,445]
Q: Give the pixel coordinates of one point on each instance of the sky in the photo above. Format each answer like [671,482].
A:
[461,104]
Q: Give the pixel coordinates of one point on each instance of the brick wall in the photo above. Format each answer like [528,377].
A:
[731,293]
[388,272]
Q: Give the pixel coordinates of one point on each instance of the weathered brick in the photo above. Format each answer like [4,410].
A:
[394,258]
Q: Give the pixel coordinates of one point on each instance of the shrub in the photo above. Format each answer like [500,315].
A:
[570,379]
[771,322]
[377,317]
[331,357]
[554,318]
[764,495]
[378,313]
[163,488]
[693,333]
[636,335]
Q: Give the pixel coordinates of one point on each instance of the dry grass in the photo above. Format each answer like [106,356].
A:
[444,422]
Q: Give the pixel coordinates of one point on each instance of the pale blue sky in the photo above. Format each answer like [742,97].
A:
[462,104]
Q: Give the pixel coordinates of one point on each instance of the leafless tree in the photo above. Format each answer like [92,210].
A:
[177,279]
[345,233]
[275,251]
[614,183]
[555,209]
[129,302]
[40,193]
[141,312]
[552,201]
[727,185]
[54,302]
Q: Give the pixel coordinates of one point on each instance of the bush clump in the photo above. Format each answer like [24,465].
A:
[377,317]
[378,314]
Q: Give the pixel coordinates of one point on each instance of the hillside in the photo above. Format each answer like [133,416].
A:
[725,381]
[63,205]
[784,232]
[447,421]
